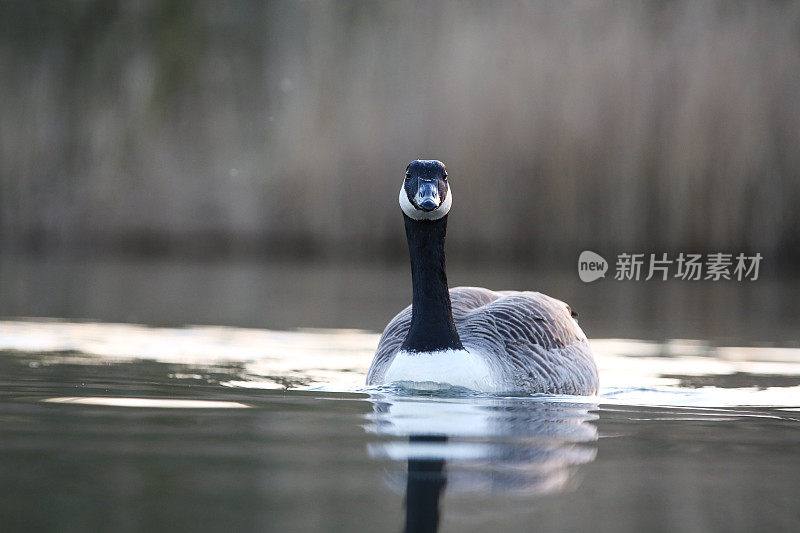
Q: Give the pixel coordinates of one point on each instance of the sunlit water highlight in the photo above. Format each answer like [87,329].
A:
[209,427]
[632,372]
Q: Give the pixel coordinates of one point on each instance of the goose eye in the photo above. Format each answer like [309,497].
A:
[444,176]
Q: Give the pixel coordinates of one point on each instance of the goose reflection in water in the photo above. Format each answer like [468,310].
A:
[526,446]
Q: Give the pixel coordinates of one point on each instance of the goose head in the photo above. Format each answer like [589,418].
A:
[425,194]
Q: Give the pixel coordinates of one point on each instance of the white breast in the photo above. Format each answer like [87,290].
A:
[447,368]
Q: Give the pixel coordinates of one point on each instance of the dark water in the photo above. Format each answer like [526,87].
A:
[124,428]
[287,295]
[121,427]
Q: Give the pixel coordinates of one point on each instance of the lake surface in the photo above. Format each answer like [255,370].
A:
[287,295]
[110,425]
[132,428]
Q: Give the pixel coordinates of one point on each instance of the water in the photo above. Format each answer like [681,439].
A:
[108,424]
[131,428]
[288,295]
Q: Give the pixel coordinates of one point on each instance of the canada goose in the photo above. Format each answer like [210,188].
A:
[504,341]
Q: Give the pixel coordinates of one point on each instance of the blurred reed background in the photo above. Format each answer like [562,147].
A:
[283,128]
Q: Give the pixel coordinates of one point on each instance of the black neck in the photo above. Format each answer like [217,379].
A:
[432,327]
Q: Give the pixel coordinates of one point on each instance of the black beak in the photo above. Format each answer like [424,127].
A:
[427,197]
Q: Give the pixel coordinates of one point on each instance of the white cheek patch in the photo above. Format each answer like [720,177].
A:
[417,214]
